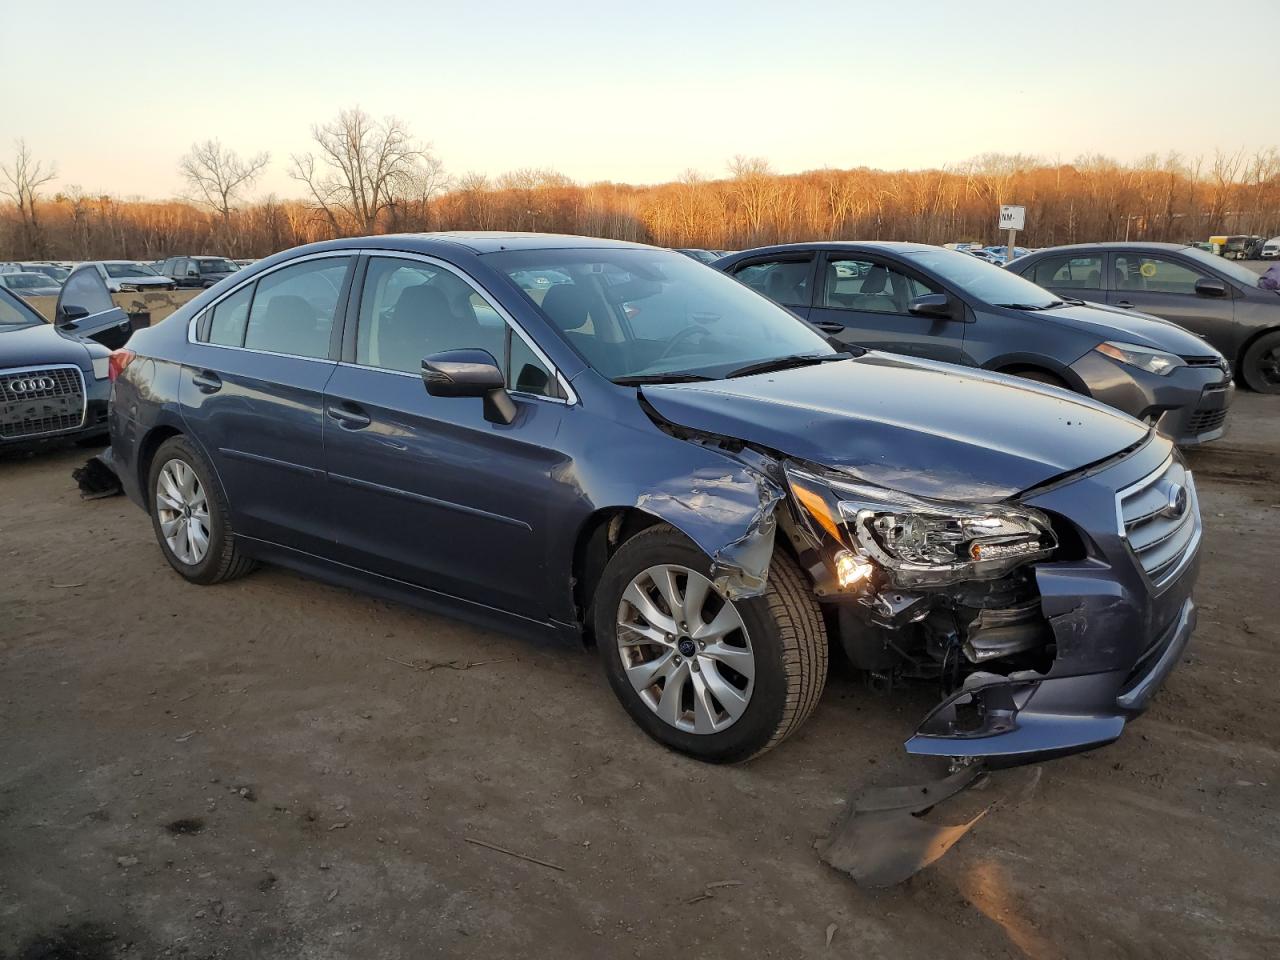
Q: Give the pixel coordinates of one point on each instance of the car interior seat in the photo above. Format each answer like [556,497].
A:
[289,325]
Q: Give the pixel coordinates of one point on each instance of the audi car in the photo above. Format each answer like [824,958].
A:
[942,304]
[651,458]
[54,380]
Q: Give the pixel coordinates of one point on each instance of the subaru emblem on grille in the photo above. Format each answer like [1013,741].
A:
[1177,503]
[31,384]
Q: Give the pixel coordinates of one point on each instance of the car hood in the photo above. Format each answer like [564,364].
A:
[1127,326]
[41,344]
[928,429]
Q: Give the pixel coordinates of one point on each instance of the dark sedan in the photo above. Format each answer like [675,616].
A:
[932,302]
[650,457]
[1212,297]
[53,383]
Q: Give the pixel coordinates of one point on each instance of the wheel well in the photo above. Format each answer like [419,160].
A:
[1238,364]
[146,453]
[1020,369]
[600,537]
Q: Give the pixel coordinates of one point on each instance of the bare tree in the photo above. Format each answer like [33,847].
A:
[21,184]
[362,167]
[217,175]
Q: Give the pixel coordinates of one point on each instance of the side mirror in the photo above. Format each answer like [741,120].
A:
[936,305]
[470,373]
[70,313]
[1210,287]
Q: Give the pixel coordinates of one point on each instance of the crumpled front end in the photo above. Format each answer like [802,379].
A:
[1044,657]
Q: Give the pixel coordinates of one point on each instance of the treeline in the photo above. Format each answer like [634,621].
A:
[370,177]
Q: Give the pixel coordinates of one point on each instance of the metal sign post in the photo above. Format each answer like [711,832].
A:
[1012,218]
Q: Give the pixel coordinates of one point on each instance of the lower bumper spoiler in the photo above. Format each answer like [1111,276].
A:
[1005,721]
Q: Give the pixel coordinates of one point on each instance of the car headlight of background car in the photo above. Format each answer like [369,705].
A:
[1152,361]
[918,542]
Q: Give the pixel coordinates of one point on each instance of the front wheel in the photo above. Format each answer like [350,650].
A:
[721,680]
[1260,366]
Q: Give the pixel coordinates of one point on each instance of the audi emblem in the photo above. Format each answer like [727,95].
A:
[31,385]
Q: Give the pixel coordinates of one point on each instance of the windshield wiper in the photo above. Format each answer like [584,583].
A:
[1030,306]
[785,363]
[643,378]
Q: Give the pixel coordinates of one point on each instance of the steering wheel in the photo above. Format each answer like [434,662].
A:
[679,338]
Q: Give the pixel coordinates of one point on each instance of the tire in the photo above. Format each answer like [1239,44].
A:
[1041,376]
[1260,365]
[782,630]
[222,558]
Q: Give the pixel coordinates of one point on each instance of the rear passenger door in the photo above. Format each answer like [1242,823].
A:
[424,489]
[863,301]
[1078,277]
[252,391]
[1166,286]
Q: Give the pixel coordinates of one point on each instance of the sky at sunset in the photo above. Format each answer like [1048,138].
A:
[115,93]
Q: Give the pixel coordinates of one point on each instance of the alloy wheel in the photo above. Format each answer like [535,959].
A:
[1269,365]
[183,510]
[685,649]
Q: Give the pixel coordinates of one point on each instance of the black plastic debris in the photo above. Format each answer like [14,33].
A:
[97,478]
[889,834]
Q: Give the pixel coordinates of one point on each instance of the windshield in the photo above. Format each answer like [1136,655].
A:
[1241,275]
[653,313]
[216,265]
[982,280]
[129,270]
[26,281]
[14,313]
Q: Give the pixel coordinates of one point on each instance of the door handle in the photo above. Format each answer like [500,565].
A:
[829,326]
[207,381]
[1127,304]
[348,416]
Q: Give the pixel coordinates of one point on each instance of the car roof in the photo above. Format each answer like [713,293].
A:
[1105,245]
[886,246]
[492,241]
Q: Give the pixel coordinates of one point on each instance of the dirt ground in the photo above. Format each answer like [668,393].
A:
[278,768]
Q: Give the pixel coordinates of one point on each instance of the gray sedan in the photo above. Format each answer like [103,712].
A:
[1212,297]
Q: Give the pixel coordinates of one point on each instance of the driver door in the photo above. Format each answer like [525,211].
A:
[863,301]
[424,489]
[86,311]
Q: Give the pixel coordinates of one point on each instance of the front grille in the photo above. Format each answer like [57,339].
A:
[40,400]
[1204,361]
[1203,421]
[1160,517]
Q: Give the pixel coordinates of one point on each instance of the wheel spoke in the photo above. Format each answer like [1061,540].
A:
[738,659]
[634,635]
[695,597]
[192,556]
[170,484]
[664,578]
[199,539]
[645,675]
[731,698]
[166,502]
[725,622]
[648,609]
[704,712]
[170,527]
[672,694]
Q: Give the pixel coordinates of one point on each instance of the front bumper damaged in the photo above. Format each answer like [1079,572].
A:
[1008,720]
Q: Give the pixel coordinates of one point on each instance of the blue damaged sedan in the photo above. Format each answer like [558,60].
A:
[610,443]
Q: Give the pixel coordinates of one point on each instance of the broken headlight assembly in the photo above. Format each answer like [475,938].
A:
[914,541]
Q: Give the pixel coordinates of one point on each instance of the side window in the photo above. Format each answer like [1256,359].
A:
[294,308]
[855,284]
[230,316]
[166,269]
[528,374]
[783,281]
[410,310]
[1083,273]
[1154,275]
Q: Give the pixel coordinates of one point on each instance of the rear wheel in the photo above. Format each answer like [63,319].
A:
[721,680]
[1260,366]
[190,516]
